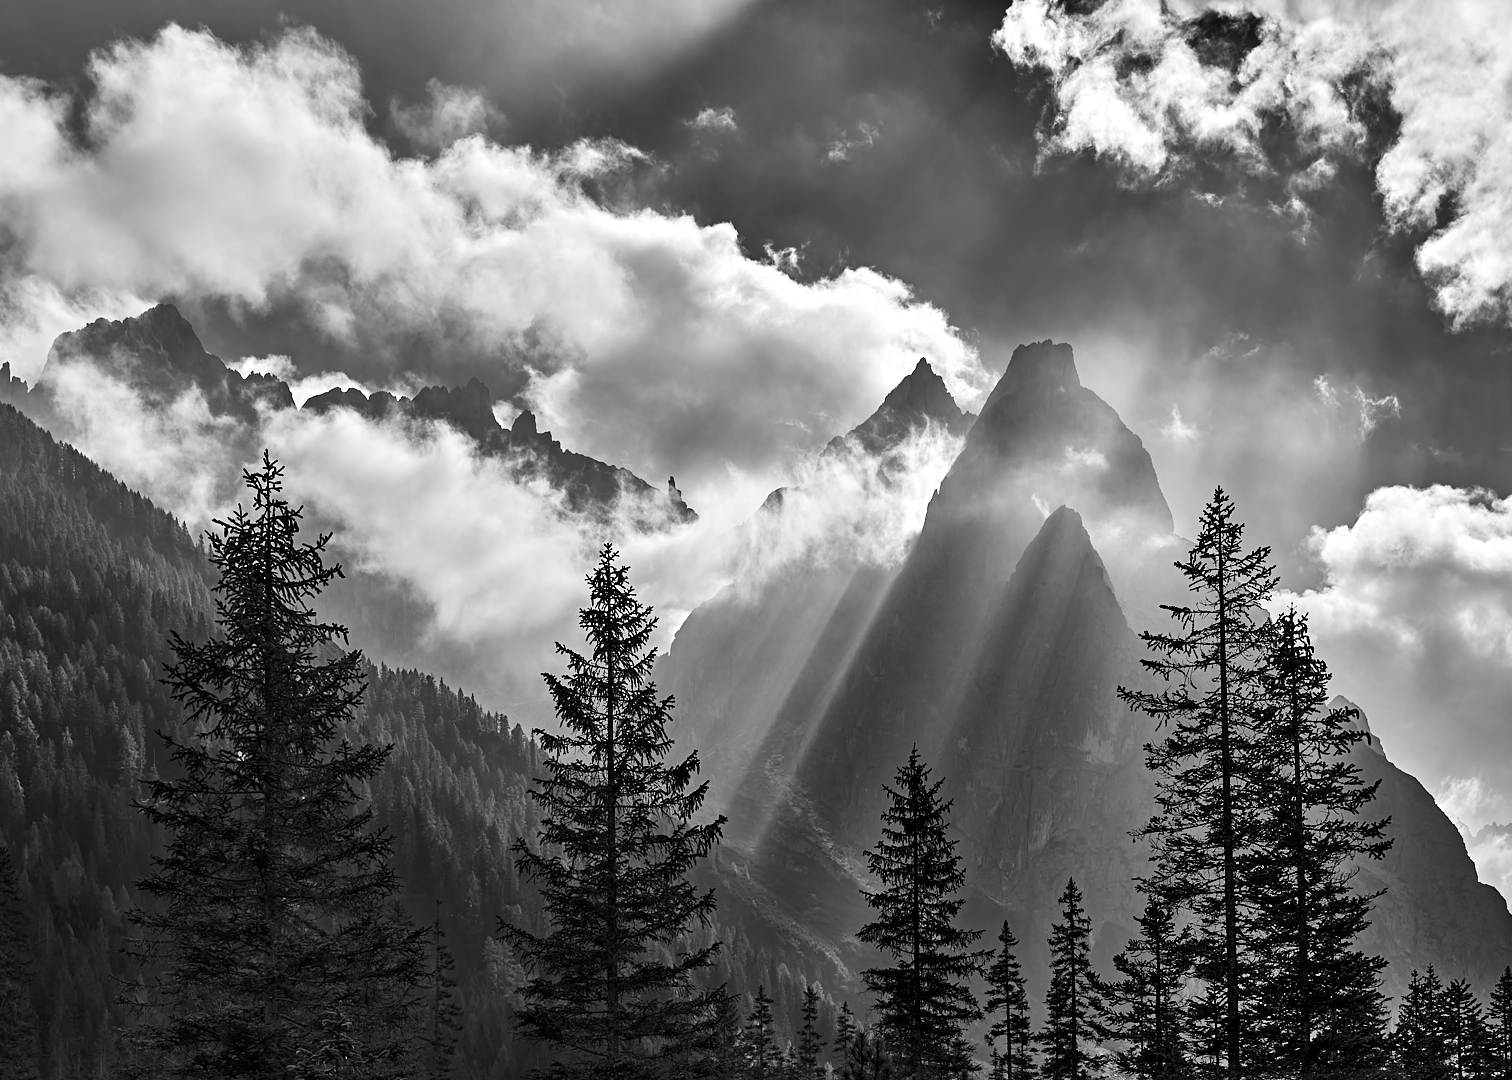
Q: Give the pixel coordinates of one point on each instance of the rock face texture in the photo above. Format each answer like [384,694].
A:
[747,656]
[997,647]
[159,356]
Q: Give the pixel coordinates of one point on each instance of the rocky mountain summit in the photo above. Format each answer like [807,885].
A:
[996,647]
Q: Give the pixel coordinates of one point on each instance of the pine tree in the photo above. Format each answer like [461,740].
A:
[1420,1043]
[760,1043]
[1005,979]
[1074,1000]
[1319,1007]
[1145,1008]
[1499,1027]
[1207,787]
[274,944]
[18,1023]
[924,999]
[845,1035]
[806,1063]
[870,1057]
[1465,1034]
[612,981]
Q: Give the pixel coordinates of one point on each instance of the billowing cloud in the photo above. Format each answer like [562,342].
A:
[247,174]
[449,113]
[1152,85]
[712,119]
[1415,618]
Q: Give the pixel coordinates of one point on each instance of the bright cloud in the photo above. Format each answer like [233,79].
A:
[1135,82]
[248,174]
[1415,618]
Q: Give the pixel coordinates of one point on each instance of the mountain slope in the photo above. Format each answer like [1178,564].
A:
[997,648]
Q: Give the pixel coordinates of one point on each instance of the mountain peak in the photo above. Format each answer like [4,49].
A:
[1040,367]
[919,400]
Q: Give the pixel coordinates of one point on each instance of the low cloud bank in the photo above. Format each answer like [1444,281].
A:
[247,176]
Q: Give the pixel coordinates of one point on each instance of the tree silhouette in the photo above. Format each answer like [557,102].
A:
[612,980]
[1206,822]
[274,945]
[1074,1001]
[924,999]
[1319,1005]
[1420,1043]
[1145,1008]
[807,1063]
[1499,1027]
[1005,995]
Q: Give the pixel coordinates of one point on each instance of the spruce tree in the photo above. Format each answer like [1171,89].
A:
[1499,1027]
[1005,995]
[18,1022]
[845,1034]
[274,946]
[1420,1043]
[1208,776]
[1145,1008]
[806,1062]
[1074,1000]
[1465,1034]
[1319,1009]
[762,1057]
[612,981]
[924,999]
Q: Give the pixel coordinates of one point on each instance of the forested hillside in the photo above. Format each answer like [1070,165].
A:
[92,579]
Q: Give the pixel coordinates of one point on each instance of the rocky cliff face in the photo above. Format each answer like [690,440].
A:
[159,356]
[747,656]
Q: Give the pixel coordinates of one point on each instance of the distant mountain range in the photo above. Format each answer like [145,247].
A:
[160,357]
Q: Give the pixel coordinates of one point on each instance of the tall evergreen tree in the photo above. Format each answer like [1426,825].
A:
[1499,1027]
[612,980]
[1420,1043]
[1207,790]
[1465,1034]
[1074,1000]
[924,999]
[1005,995]
[18,1023]
[1319,1008]
[806,1061]
[1145,1008]
[845,1034]
[274,944]
[762,1057]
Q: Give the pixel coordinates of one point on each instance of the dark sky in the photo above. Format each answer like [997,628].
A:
[945,196]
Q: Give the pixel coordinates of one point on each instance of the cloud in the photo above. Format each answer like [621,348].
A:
[840,149]
[1178,430]
[248,175]
[1415,618]
[1371,410]
[449,113]
[712,119]
[1152,87]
